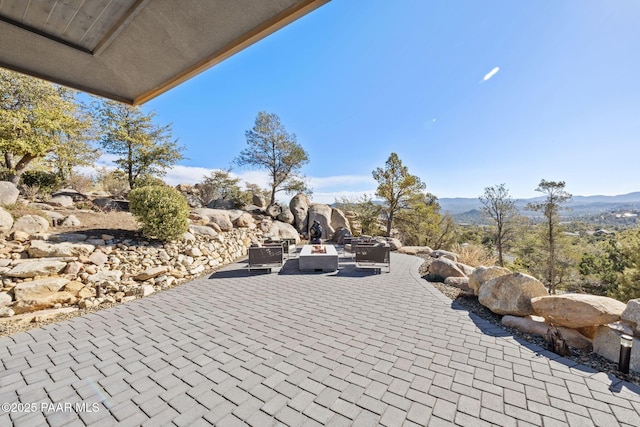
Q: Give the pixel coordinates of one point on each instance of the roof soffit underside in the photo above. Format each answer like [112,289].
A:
[156,44]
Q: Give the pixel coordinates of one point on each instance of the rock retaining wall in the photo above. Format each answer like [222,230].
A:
[39,275]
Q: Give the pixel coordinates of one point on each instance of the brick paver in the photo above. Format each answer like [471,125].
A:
[343,348]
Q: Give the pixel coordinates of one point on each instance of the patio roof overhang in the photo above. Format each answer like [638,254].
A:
[133,50]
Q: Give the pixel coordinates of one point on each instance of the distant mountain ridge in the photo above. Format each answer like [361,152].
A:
[578,205]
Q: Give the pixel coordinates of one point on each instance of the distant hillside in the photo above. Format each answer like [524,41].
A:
[468,209]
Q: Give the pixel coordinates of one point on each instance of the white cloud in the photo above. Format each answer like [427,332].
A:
[186,174]
[330,197]
[325,189]
[341,181]
[260,178]
[491,74]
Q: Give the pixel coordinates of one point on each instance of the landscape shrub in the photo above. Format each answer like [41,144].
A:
[46,182]
[149,180]
[80,183]
[162,210]
[112,181]
[474,255]
[30,192]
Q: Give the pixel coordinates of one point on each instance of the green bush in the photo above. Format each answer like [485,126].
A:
[47,182]
[149,180]
[162,210]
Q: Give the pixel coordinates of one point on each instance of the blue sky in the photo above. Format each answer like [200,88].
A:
[356,80]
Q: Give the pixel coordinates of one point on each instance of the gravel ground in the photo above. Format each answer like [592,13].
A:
[471,304]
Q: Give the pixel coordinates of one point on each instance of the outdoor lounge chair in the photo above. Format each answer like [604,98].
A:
[351,248]
[266,257]
[376,257]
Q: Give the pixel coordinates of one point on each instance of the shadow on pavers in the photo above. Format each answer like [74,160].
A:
[490,329]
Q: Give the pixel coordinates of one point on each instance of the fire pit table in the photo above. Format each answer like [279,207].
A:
[318,258]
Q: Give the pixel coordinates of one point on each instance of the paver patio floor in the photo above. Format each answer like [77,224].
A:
[343,348]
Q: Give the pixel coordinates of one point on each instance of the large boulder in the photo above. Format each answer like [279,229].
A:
[63,201]
[511,294]
[631,315]
[299,206]
[202,230]
[42,249]
[216,216]
[245,220]
[282,230]
[6,221]
[36,267]
[43,301]
[322,214]
[339,220]
[483,274]
[537,326]
[32,224]
[8,193]
[259,201]
[221,204]
[394,243]
[439,253]
[578,310]
[26,290]
[466,269]
[76,196]
[444,267]
[193,201]
[41,294]
[286,215]
[265,225]
[273,210]
[339,235]
[415,250]
[461,283]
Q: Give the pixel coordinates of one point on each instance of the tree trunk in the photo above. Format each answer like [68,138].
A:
[552,261]
[389,222]
[19,168]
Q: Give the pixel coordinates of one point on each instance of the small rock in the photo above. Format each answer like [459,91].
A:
[5,299]
[6,221]
[69,237]
[71,221]
[197,270]
[105,276]
[150,273]
[39,267]
[20,236]
[194,252]
[86,292]
[98,258]
[458,282]
[73,287]
[6,312]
